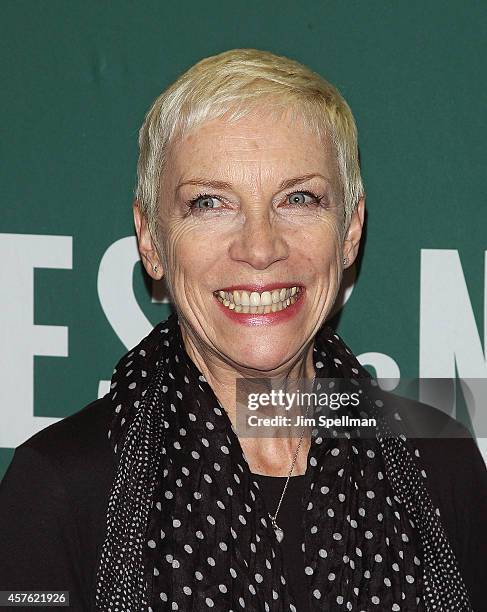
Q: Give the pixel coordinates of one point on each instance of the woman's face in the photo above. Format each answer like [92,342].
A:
[251,234]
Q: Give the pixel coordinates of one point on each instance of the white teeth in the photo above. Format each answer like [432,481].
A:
[259,303]
[254,299]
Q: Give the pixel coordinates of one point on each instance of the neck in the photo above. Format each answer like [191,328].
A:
[222,374]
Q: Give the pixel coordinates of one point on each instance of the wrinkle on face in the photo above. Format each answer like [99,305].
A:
[256,236]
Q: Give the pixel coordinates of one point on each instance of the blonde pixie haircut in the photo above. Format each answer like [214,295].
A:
[235,83]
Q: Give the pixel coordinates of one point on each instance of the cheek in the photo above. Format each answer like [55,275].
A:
[189,256]
[321,247]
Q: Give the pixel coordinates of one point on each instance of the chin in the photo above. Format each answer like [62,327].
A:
[261,362]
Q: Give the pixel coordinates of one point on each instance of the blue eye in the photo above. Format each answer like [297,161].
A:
[299,198]
[203,199]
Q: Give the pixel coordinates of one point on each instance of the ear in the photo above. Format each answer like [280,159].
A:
[147,249]
[353,234]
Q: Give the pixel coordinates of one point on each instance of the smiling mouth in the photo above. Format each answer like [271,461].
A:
[253,302]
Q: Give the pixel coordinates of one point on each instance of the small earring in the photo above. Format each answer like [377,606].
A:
[345,261]
[155,269]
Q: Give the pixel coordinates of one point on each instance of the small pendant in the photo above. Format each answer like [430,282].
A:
[277,530]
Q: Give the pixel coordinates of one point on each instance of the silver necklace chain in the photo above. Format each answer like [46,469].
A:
[278,530]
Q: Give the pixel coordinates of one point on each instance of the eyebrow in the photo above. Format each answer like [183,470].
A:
[286,184]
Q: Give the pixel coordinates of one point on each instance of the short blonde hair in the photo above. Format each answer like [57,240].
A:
[234,83]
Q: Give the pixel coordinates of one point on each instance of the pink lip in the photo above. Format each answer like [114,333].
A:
[260,287]
[270,318]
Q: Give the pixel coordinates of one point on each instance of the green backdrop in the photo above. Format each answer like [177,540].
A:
[77,79]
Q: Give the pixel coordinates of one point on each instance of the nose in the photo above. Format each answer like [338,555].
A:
[259,242]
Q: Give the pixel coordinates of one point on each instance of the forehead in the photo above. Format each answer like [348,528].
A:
[260,142]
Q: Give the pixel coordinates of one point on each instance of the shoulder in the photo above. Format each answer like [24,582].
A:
[83,432]
[420,420]
[64,472]
[456,479]
[53,501]
[75,451]
[445,446]
[446,452]
[454,469]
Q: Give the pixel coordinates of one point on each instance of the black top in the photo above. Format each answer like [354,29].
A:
[289,519]
[54,496]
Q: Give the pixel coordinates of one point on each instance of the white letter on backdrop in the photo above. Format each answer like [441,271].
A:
[20,338]
[117,298]
[449,340]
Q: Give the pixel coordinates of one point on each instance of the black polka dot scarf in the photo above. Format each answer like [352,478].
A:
[187,527]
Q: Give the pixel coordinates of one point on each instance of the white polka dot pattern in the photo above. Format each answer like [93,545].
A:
[187,528]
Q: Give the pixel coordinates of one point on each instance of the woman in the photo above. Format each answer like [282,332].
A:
[250,203]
